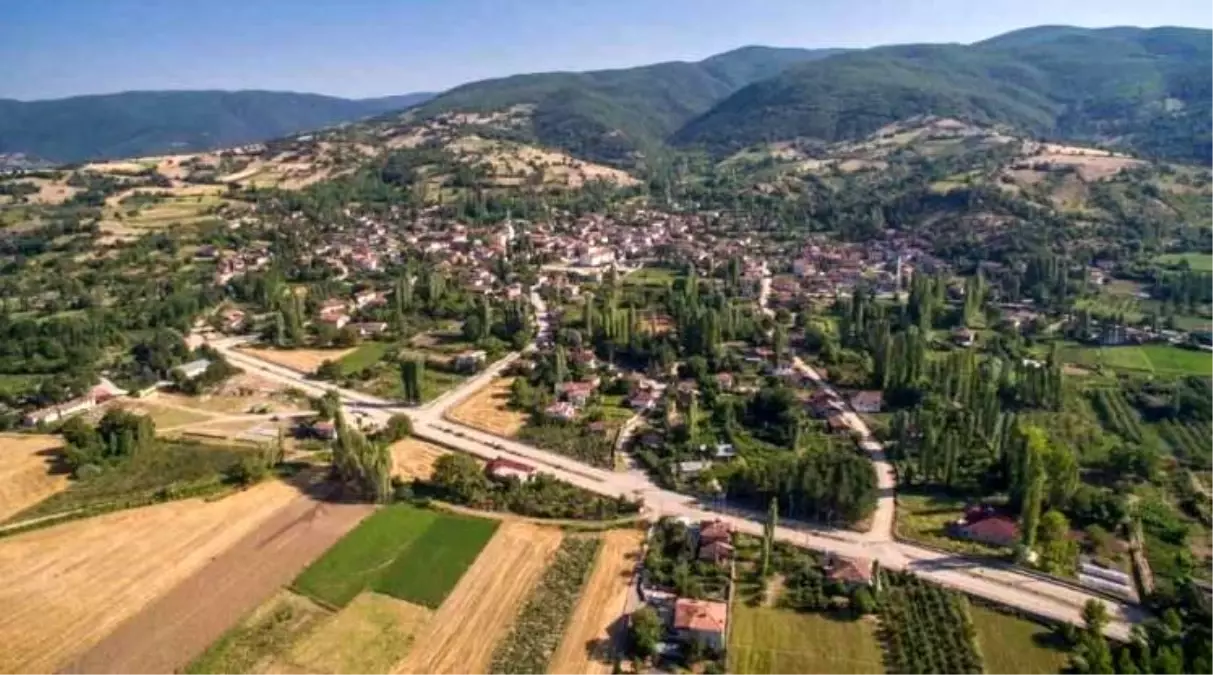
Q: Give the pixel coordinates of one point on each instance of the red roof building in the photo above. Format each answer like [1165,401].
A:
[996,530]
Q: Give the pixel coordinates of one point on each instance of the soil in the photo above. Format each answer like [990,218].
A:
[29,471]
[302,360]
[480,611]
[595,630]
[66,587]
[412,458]
[488,410]
[370,635]
[174,629]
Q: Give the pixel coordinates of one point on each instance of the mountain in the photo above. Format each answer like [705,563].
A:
[1145,89]
[139,123]
[607,115]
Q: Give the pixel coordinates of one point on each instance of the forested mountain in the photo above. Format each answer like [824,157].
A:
[156,122]
[606,115]
[1146,89]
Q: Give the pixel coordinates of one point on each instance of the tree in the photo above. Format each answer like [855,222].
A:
[1095,616]
[768,535]
[645,631]
[412,372]
[862,601]
[1058,552]
[398,427]
[461,478]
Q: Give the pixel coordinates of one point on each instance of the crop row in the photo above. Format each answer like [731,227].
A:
[926,629]
[1190,441]
[1117,415]
[540,625]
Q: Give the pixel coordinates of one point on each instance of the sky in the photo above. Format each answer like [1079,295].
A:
[361,48]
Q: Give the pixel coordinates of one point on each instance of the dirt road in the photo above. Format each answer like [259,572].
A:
[174,629]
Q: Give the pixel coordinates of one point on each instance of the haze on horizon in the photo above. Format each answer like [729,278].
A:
[363,48]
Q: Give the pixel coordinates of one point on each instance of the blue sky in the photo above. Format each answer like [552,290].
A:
[55,48]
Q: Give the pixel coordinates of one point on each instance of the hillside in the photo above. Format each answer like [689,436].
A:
[1147,90]
[608,115]
[132,124]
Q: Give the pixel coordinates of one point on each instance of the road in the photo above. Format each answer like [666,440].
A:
[1030,593]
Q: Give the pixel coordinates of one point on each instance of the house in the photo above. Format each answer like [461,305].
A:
[194,368]
[336,320]
[369,328]
[713,531]
[702,621]
[851,571]
[325,430]
[964,337]
[867,401]
[693,467]
[233,320]
[725,381]
[561,410]
[716,552]
[61,411]
[994,530]
[643,400]
[577,393]
[368,299]
[724,451]
[470,360]
[584,357]
[504,468]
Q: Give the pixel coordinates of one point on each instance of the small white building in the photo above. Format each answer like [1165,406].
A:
[194,368]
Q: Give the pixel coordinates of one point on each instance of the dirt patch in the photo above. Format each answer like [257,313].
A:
[488,410]
[480,611]
[26,471]
[302,360]
[370,635]
[165,416]
[595,628]
[68,586]
[289,531]
[412,458]
[270,630]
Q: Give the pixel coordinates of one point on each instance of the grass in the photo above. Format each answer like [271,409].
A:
[766,640]
[409,553]
[366,355]
[170,464]
[434,383]
[651,276]
[1161,359]
[266,632]
[1201,262]
[924,517]
[1010,644]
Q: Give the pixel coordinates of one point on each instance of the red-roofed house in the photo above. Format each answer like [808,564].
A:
[996,530]
[851,571]
[716,552]
[714,530]
[701,621]
[504,468]
[577,393]
[867,401]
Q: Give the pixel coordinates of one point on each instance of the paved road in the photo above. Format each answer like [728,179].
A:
[1024,591]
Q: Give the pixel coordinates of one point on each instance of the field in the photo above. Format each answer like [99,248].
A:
[1117,415]
[925,628]
[1188,440]
[925,517]
[651,276]
[1201,262]
[364,356]
[174,464]
[1013,645]
[1153,358]
[766,640]
[165,416]
[412,458]
[302,360]
[68,586]
[27,471]
[600,608]
[268,631]
[408,553]
[488,410]
[463,632]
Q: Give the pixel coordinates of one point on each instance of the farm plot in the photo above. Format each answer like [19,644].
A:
[68,586]
[412,458]
[302,360]
[1116,415]
[1167,359]
[409,553]
[601,605]
[489,410]
[28,471]
[461,635]
[370,635]
[1017,646]
[270,630]
[364,356]
[926,628]
[768,640]
[1189,441]
[530,645]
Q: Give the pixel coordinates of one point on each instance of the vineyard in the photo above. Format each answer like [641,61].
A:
[1116,415]
[1188,440]
[540,625]
[925,628]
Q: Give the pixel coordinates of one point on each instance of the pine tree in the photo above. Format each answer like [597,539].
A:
[768,535]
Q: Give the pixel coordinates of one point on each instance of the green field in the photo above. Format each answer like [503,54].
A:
[651,276]
[409,553]
[1152,358]
[1201,262]
[366,355]
[766,640]
[1013,645]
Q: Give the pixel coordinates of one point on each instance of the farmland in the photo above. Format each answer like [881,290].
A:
[767,640]
[412,458]
[84,578]
[28,472]
[1116,414]
[411,554]
[925,628]
[1188,440]
[479,612]
[600,608]
[364,356]
[1013,645]
[488,410]
[302,360]
[1160,359]
[537,632]
[1200,262]
[269,630]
